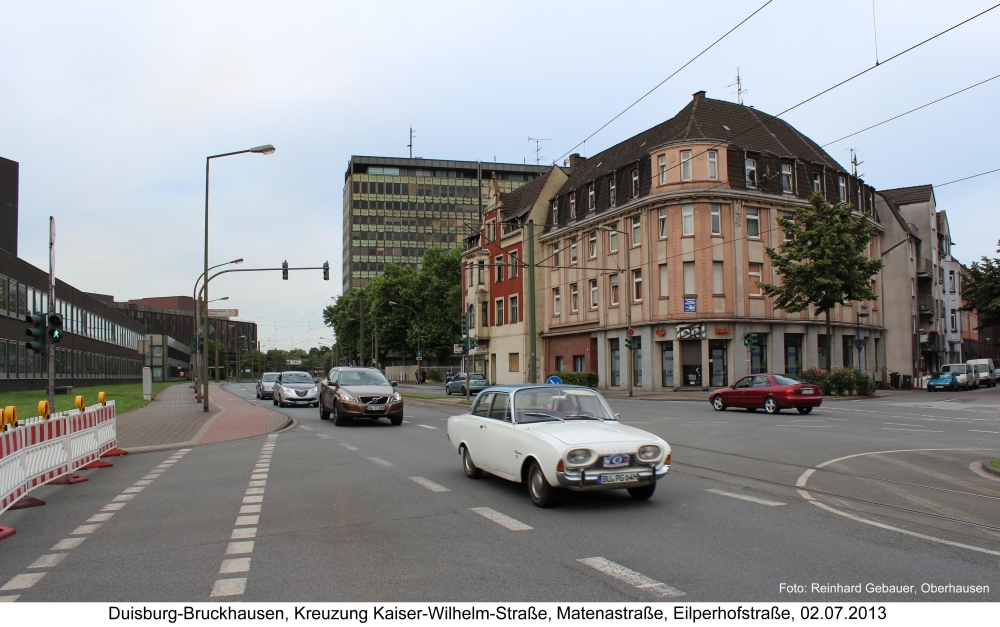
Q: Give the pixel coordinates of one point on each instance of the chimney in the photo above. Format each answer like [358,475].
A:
[575,160]
[698,95]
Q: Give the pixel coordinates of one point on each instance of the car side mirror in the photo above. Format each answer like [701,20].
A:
[617,415]
[394,383]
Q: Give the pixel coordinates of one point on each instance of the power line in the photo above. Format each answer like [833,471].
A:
[660,84]
[968,177]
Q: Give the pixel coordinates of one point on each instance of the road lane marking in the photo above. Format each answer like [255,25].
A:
[123,497]
[250,509]
[259,482]
[631,577]
[10,598]
[980,431]
[325,436]
[235,565]
[247,520]
[254,491]
[430,485]
[259,476]
[380,461]
[501,519]
[133,490]
[83,530]
[901,424]
[744,497]
[349,447]
[257,498]
[426,427]
[22,582]
[229,587]
[67,543]
[100,517]
[48,561]
[112,507]
[243,533]
[914,430]
[305,427]
[143,482]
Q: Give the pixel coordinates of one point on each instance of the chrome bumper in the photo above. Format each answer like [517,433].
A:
[589,478]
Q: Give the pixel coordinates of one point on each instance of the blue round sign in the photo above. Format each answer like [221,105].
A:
[554,380]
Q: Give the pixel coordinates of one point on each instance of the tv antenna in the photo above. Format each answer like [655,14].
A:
[739,87]
[410,145]
[855,163]
[538,148]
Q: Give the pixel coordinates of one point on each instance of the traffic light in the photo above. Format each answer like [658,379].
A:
[326,270]
[55,328]
[37,332]
[629,343]
[746,338]
[465,324]
[284,271]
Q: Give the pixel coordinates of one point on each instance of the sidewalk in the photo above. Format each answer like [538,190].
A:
[174,419]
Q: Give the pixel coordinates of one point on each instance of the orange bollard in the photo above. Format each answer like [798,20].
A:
[102,398]
[43,409]
[80,404]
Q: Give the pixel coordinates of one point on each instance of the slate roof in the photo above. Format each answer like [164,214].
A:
[705,119]
[519,202]
[909,195]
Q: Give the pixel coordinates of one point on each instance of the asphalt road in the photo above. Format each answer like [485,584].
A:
[376,512]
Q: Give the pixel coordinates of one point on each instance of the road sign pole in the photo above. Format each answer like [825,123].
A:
[52,310]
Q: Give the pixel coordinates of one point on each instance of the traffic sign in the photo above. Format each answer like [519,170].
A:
[420,355]
[630,332]
[457,349]
[554,380]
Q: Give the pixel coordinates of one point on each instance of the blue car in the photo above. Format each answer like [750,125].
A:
[942,381]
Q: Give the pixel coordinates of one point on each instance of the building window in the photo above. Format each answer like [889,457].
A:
[514,269]
[555,255]
[716,219]
[472,316]
[713,165]
[842,190]
[664,281]
[613,281]
[685,165]
[499,267]
[592,245]
[786,178]
[499,313]
[635,183]
[689,279]
[953,322]
[590,197]
[555,212]
[753,223]
[751,172]
[791,218]
[482,271]
[572,252]
[611,190]
[755,271]
[486,313]
[663,222]
[572,205]
[818,182]
[514,362]
[556,305]
[613,237]
[514,317]
[951,281]
[636,231]
[593,293]
[717,281]
[574,304]
[559,363]
[687,219]
[579,363]
[663,169]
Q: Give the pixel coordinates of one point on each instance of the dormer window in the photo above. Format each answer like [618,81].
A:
[713,165]
[635,183]
[818,182]
[572,205]
[842,189]
[751,172]
[555,212]
[685,165]
[590,197]
[611,190]
[786,178]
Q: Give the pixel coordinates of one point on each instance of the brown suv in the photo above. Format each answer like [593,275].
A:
[349,393]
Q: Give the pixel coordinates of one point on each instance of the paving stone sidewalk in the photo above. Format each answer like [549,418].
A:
[174,419]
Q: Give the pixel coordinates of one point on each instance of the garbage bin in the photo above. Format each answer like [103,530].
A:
[907,382]
[895,380]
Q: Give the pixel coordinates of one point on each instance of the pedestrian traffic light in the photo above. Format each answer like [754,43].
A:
[55,328]
[284,271]
[326,270]
[37,332]
[465,324]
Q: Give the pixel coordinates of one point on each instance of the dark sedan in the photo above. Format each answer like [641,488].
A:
[772,392]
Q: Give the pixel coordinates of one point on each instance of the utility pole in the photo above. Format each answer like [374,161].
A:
[479,171]
[52,310]
[361,324]
[410,145]
[532,338]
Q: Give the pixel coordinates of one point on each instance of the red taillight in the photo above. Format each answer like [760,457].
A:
[790,391]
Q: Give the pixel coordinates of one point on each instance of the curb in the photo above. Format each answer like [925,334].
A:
[289,423]
[988,467]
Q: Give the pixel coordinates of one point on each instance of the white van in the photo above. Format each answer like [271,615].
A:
[987,371]
[965,375]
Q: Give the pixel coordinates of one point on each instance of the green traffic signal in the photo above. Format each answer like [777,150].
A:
[55,328]
[326,270]
[37,332]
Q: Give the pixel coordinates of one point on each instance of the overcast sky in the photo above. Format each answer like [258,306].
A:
[112,107]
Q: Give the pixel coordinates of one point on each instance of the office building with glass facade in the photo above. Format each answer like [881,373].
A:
[396,208]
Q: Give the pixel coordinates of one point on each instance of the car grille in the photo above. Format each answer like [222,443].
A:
[633,462]
[301,392]
[376,400]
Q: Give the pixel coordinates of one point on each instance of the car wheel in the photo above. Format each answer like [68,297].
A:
[274,399]
[447,390]
[395,420]
[804,410]
[541,492]
[323,413]
[642,493]
[719,403]
[771,405]
[471,471]
[258,394]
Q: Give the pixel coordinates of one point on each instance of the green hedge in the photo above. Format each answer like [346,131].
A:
[840,382]
[587,379]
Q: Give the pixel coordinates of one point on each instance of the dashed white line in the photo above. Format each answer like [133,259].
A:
[67,543]
[501,519]
[101,517]
[239,548]
[83,530]
[229,587]
[243,533]
[380,461]
[913,430]
[235,565]
[980,431]
[22,582]
[631,577]
[256,498]
[247,520]
[48,561]
[427,427]
[305,427]
[430,485]
[743,497]
[349,447]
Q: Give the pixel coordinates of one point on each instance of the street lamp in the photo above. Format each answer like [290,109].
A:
[264,150]
[195,296]
[857,338]
[415,315]
[628,290]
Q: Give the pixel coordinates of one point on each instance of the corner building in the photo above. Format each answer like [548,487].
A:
[666,233]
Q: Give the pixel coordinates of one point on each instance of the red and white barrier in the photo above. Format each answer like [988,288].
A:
[42,450]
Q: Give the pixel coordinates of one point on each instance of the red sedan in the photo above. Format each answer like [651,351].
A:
[773,392]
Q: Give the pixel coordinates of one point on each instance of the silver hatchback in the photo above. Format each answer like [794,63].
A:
[295,388]
[265,385]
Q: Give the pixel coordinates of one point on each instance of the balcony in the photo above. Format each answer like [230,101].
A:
[925,269]
[926,304]
[931,342]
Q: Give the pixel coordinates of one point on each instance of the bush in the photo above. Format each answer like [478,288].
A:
[434,375]
[842,381]
[817,377]
[587,379]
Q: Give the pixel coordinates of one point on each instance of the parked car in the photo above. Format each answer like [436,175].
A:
[293,388]
[987,371]
[265,385]
[476,383]
[942,381]
[772,392]
[965,375]
[349,393]
[556,436]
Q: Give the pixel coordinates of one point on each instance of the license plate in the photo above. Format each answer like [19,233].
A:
[807,391]
[616,461]
[620,477]
[375,408]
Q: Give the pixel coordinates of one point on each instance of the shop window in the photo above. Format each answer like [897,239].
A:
[614,351]
[793,353]
[758,355]
[667,360]
[717,362]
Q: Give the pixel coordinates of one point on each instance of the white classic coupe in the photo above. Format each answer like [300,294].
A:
[556,436]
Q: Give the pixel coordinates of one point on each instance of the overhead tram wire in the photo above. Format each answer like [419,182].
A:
[661,83]
[968,177]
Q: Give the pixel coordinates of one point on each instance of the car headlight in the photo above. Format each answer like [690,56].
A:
[344,396]
[396,397]
[579,456]
[312,390]
[648,453]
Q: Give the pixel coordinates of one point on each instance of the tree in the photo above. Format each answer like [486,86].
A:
[823,263]
[981,290]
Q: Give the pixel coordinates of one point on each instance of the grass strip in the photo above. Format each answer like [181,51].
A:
[995,463]
[127,396]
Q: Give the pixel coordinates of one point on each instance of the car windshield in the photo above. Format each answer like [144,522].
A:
[362,378]
[982,368]
[787,379]
[296,377]
[959,368]
[559,404]
[270,377]
[941,375]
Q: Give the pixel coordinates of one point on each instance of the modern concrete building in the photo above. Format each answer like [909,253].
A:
[395,208]
[168,359]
